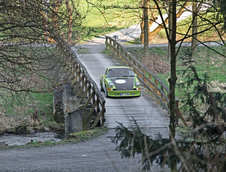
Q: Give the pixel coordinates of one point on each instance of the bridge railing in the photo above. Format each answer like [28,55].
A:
[84,86]
[148,79]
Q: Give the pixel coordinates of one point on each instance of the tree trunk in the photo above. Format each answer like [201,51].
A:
[194,26]
[173,77]
[170,21]
[55,5]
[69,10]
[160,26]
[142,30]
[145,15]
[152,13]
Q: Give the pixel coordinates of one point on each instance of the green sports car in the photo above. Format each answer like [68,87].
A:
[120,81]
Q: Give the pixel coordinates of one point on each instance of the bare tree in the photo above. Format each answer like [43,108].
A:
[207,143]
[28,63]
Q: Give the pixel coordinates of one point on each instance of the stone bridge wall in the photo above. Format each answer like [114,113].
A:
[67,109]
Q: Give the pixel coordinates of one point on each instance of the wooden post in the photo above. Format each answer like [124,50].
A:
[103,112]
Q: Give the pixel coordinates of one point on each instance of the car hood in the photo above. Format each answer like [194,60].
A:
[123,83]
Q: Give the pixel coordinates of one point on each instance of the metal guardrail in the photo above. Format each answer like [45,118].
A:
[85,86]
[148,79]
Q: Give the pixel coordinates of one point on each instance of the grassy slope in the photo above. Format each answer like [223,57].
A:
[207,61]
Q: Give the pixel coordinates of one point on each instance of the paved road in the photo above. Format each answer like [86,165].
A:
[148,114]
[95,155]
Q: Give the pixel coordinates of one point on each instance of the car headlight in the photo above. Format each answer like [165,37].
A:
[137,84]
[111,85]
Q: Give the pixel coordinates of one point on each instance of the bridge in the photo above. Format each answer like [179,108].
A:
[150,112]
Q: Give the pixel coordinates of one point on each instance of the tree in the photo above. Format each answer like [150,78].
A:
[176,151]
[222,5]
[27,63]
[154,16]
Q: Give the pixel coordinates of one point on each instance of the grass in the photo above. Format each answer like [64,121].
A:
[43,100]
[160,52]
[29,101]
[24,104]
[102,17]
[74,138]
[207,61]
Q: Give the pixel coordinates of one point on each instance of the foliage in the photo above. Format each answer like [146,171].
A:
[200,148]
[189,154]
[29,65]
[132,142]
[222,5]
[207,61]
[203,105]
[27,87]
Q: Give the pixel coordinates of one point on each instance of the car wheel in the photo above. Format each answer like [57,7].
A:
[101,87]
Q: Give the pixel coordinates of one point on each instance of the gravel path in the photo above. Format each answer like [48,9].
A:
[95,155]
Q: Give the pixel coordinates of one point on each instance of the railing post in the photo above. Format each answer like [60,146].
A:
[103,112]
[156,83]
[98,104]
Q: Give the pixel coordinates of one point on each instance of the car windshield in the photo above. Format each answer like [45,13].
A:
[120,72]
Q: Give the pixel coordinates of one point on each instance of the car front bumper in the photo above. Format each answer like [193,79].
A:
[123,93]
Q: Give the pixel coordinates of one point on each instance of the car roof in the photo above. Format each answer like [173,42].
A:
[115,67]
